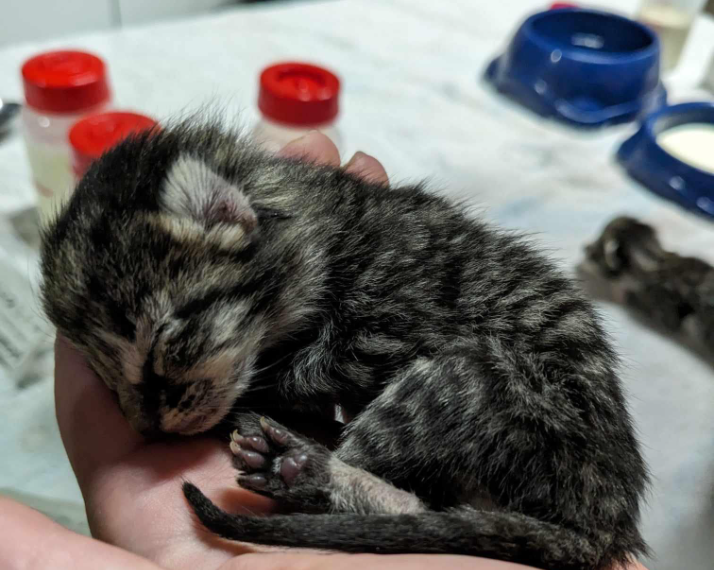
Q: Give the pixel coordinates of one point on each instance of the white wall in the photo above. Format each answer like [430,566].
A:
[137,11]
[27,20]
[23,20]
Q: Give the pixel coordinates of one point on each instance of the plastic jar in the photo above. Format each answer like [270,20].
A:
[708,81]
[672,20]
[92,136]
[61,87]
[294,99]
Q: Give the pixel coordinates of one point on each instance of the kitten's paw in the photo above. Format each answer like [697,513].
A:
[280,464]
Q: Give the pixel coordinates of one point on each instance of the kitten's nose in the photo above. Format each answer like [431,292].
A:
[151,432]
[139,422]
[145,427]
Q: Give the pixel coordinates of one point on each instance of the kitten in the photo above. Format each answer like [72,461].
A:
[198,275]
[672,291]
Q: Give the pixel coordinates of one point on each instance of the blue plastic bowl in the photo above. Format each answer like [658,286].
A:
[664,174]
[583,67]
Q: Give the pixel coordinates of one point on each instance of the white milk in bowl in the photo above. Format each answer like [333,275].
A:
[692,143]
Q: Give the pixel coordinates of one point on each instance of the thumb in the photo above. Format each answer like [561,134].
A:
[93,430]
[24,530]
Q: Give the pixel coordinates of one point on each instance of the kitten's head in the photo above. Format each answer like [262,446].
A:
[613,253]
[146,272]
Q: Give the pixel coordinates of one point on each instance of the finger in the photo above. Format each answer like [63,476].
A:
[372,561]
[93,430]
[31,540]
[362,561]
[367,167]
[313,147]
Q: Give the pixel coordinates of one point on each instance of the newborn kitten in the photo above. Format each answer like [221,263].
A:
[198,275]
[674,292]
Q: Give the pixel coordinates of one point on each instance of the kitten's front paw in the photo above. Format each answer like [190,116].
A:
[280,464]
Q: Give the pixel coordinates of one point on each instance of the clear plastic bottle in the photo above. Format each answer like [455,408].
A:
[672,20]
[708,80]
[294,99]
[61,87]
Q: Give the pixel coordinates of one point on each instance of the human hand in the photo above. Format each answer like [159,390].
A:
[132,488]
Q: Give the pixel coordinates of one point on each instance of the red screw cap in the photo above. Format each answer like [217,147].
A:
[92,136]
[65,81]
[299,94]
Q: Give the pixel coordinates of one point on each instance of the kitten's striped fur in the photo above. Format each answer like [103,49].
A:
[196,273]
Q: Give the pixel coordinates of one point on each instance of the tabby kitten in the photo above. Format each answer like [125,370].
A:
[198,275]
[672,291]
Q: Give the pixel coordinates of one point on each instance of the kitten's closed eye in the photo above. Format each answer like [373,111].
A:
[270,214]
[126,326]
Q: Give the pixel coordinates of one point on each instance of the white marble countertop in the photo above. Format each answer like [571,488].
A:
[412,97]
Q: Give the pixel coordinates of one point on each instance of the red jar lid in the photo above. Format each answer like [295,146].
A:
[92,136]
[298,94]
[65,81]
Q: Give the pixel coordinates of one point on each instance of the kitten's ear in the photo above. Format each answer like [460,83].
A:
[192,190]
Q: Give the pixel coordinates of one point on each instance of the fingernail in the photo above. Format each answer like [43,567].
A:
[302,139]
[357,159]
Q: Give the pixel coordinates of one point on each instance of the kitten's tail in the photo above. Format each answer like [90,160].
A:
[505,536]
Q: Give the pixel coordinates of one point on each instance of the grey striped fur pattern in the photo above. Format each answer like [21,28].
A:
[200,276]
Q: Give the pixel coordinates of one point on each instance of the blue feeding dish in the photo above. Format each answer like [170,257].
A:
[687,178]
[586,68]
